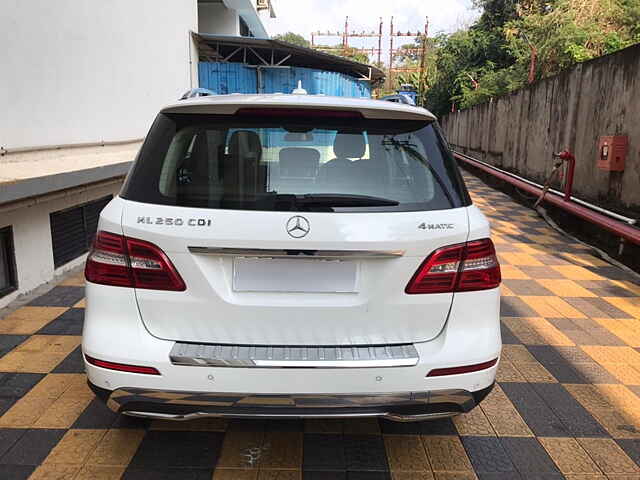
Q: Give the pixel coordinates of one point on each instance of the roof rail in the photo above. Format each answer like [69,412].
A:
[398,98]
[197,92]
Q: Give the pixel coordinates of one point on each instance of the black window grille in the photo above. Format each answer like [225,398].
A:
[73,229]
[8,273]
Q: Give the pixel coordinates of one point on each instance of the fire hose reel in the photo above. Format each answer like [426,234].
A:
[612,152]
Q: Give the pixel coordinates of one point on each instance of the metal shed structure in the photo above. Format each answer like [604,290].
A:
[252,65]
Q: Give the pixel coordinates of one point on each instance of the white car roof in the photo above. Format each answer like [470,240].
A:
[229,104]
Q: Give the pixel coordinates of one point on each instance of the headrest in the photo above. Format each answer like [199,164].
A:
[299,161]
[246,144]
[306,156]
[349,145]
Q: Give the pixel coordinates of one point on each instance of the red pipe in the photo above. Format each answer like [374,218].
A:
[620,229]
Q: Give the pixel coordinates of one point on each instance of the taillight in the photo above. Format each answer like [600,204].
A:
[151,268]
[480,269]
[107,262]
[128,262]
[464,267]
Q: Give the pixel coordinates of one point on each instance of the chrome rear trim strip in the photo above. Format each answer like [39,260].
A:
[267,356]
[293,253]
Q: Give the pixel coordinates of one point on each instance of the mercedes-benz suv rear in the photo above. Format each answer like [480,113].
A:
[292,256]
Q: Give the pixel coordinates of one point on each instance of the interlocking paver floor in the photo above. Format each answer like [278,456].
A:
[567,402]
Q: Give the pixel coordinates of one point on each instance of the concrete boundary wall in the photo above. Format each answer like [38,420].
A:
[519,132]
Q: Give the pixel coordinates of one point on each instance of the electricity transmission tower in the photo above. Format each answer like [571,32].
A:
[345,36]
[344,48]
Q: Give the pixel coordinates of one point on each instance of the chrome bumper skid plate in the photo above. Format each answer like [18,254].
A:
[268,356]
[401,407]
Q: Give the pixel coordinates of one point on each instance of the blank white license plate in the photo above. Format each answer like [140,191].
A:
[294,275]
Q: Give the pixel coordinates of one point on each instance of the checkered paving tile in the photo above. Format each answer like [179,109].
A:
[566,405]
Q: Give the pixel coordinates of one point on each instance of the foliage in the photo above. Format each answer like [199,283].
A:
[421,79]
[299,40]
[515,41]
[350,52]
[354,54]
[294,38]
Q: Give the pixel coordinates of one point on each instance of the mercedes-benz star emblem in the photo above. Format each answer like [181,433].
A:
[298,226]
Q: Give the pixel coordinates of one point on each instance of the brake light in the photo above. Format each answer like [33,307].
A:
[122,367]
[299,113]
[465,267]
[439,372]
[128,262]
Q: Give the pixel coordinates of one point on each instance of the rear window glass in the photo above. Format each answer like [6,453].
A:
[295,164]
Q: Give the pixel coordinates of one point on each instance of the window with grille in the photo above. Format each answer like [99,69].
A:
[8,277]
[73,229]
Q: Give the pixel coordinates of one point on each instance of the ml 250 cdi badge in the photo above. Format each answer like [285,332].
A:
[292,256]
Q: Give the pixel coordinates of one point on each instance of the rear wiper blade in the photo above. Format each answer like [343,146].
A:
[411,150]
[344,200]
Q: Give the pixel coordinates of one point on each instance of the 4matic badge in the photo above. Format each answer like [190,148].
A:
[436,226]
[175,221]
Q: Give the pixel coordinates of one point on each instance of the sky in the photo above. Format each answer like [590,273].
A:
[305,16]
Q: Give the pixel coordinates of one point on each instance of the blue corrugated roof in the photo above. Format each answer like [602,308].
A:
[224,78]
[257,51]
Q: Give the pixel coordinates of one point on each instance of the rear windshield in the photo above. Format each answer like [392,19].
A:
[295,164]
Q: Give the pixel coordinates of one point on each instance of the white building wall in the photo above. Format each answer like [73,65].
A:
[85,71]
[32,234]
[217,19]
[247,9]
[91,70]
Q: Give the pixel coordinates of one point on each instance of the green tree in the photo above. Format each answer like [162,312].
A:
[350,52]
[572,31]
[294,38]
[518,41]
[424,74]
[411,53]
[355,55]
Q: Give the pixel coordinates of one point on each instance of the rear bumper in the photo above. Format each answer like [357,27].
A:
[114,332]
[180,405]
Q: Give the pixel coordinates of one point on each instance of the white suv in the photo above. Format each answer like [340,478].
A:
[292,256]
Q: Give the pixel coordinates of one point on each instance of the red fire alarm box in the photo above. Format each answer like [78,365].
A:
[612,153]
